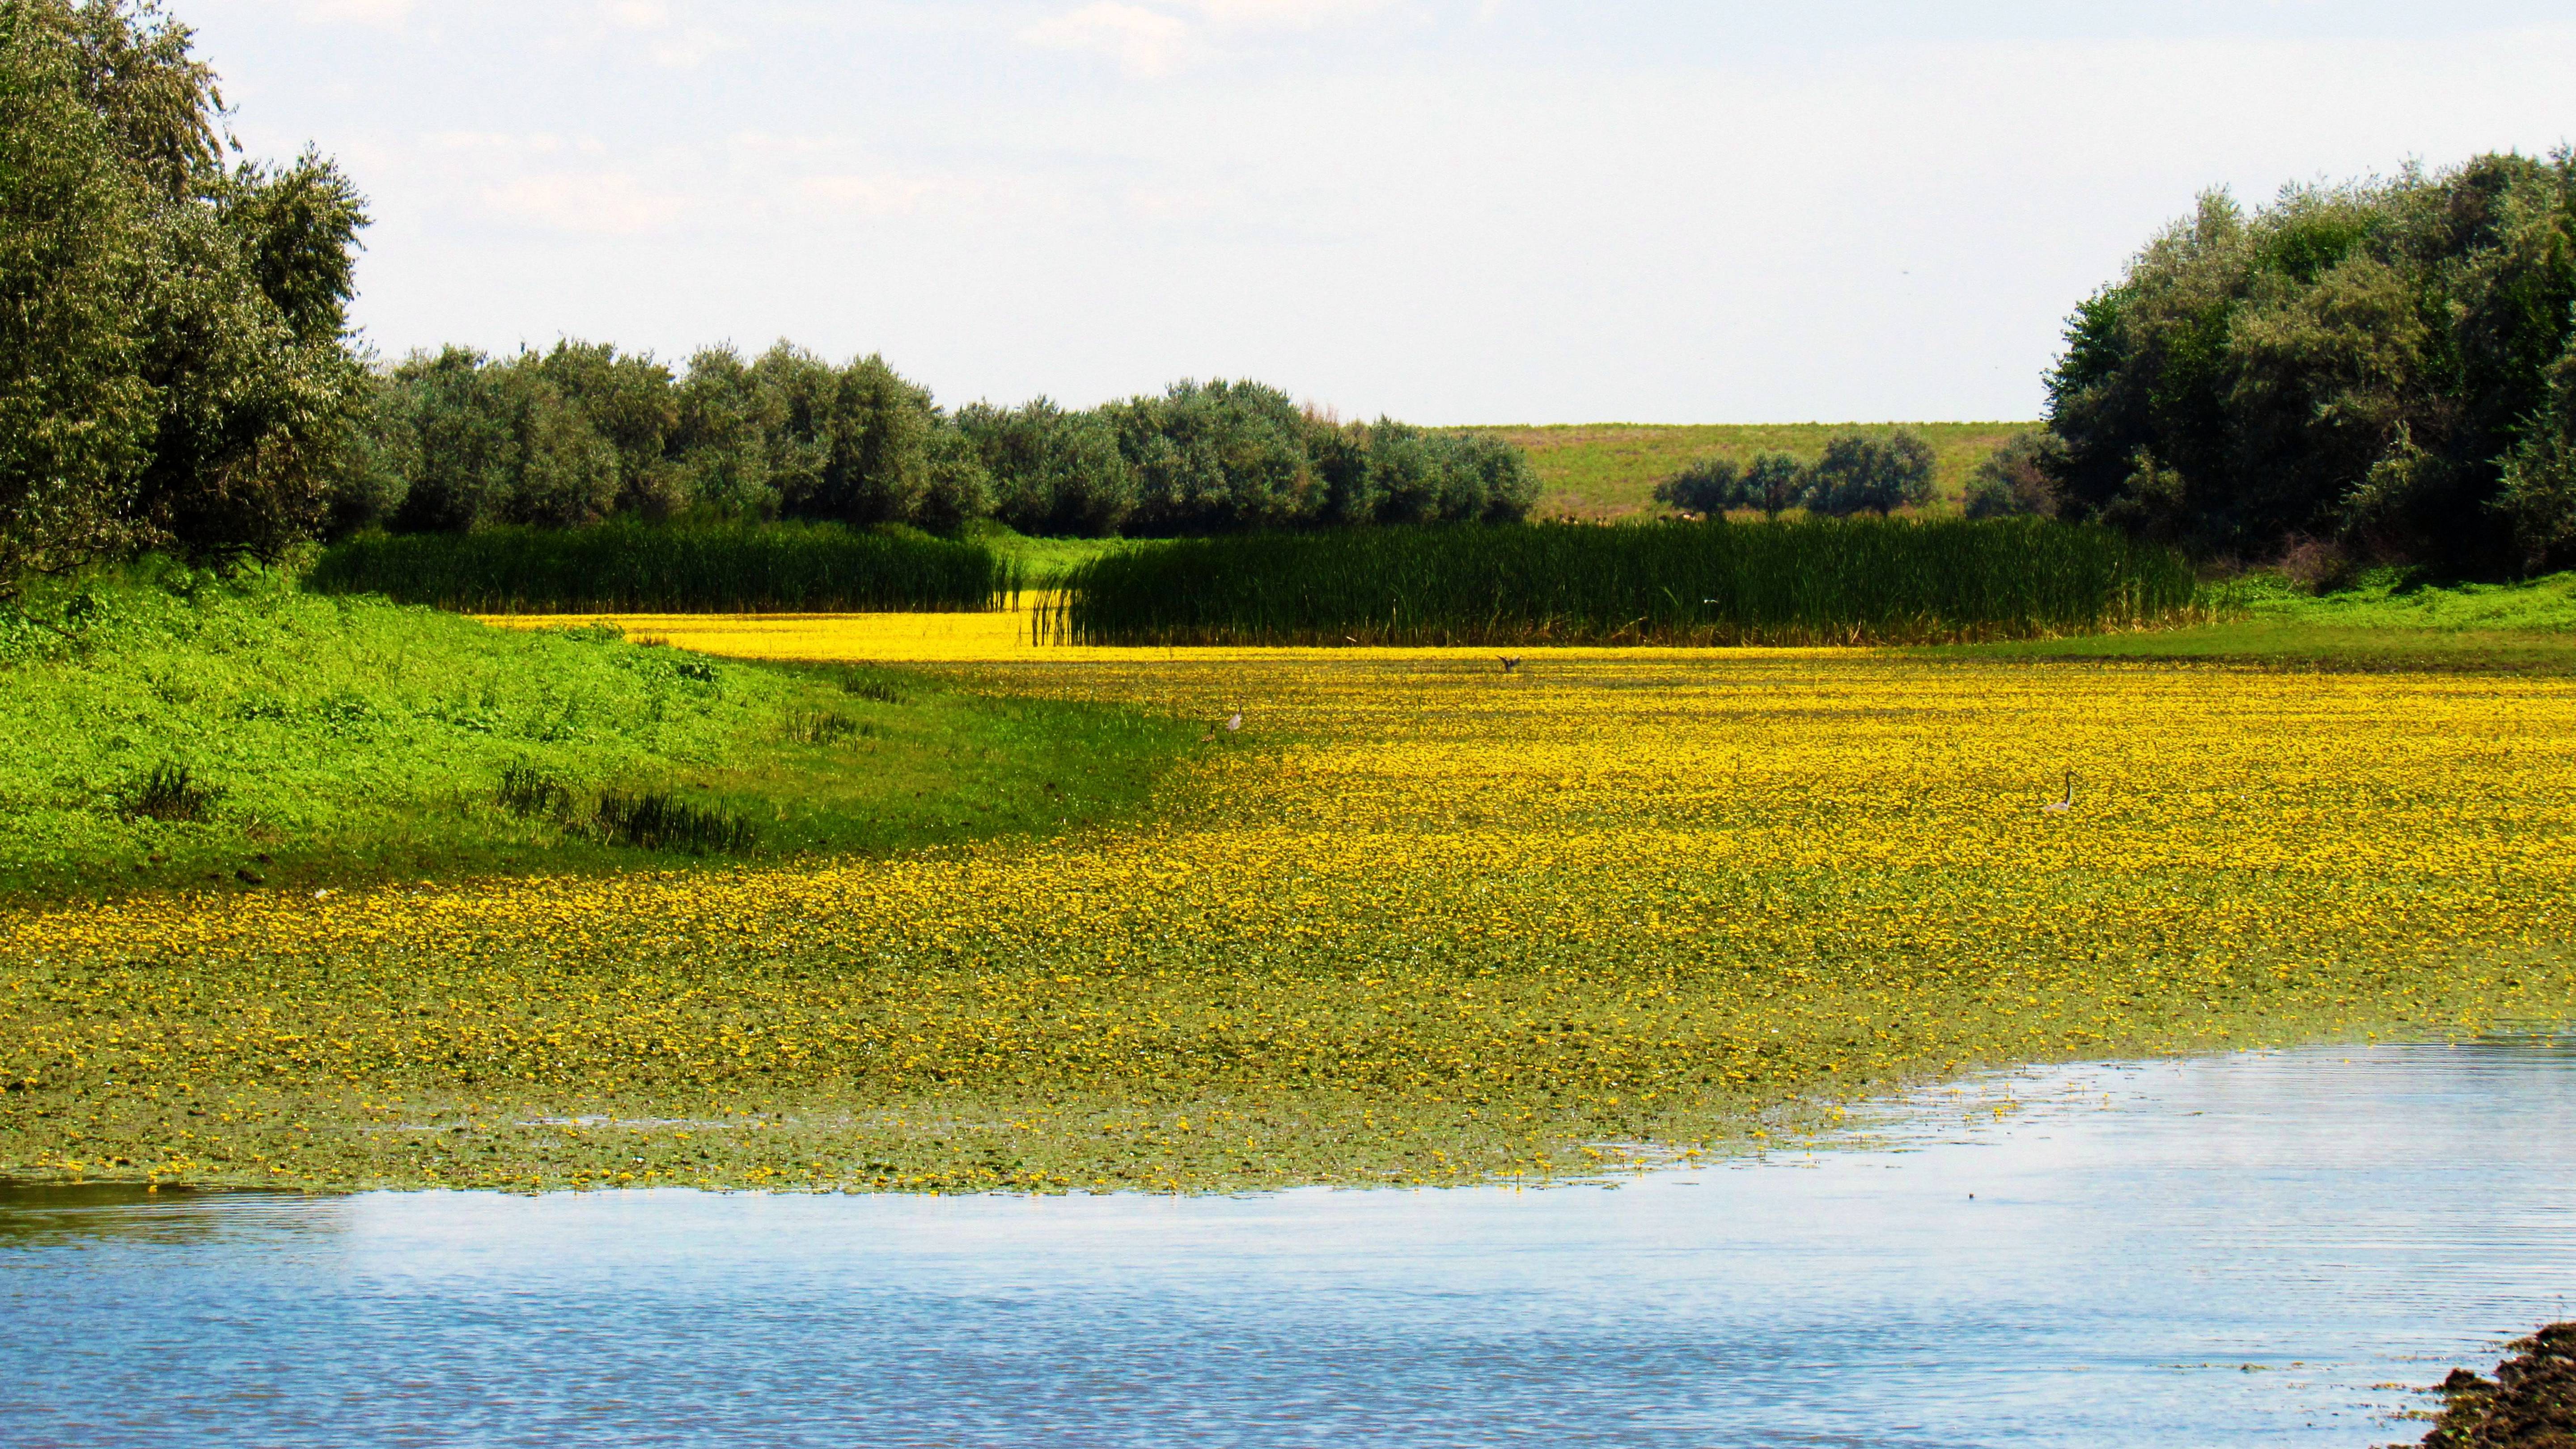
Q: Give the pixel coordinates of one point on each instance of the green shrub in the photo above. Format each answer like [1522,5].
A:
[643,568]
[1862,473]
[2017,478]
[1817,581]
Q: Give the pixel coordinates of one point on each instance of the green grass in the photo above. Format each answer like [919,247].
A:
[2385,621]
[1042,563]
[1601,471]
[168,729]
[629,567]
[1811,581]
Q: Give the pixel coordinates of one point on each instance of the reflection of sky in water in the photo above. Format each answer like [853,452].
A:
[2140,1238]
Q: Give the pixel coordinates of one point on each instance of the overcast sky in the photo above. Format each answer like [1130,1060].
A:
[1481,211]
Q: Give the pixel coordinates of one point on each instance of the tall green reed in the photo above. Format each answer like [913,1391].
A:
[643,568]
[1810,581]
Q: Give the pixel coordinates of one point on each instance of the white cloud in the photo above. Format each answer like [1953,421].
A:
[360,12]
[1170,35]
[672,46]
[1143,42]
[883,193]
[599,204]
[1285,14]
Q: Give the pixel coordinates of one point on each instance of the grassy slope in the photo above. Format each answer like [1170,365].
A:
[1609,470]
[2383,622]
[356,740]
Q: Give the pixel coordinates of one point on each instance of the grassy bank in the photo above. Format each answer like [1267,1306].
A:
[172,730]
[635,567]
[1044,563]
[1605,471]
[1814,581]
[2386,621]
[1421,921]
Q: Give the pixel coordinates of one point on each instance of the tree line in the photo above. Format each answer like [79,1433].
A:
[177,372]
[583,433]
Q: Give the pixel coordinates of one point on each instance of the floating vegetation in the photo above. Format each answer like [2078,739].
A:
[1422,920]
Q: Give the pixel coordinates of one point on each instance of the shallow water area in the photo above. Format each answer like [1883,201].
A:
[2252,1249]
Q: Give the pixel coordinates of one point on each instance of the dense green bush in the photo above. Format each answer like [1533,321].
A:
[1803,582]
[2386,365]
[1859,472]
[629,567]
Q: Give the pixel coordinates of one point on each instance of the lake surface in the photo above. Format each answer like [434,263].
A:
[2257,1249]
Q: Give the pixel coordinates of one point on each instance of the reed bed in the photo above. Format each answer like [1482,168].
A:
[1804,582]
[618,567]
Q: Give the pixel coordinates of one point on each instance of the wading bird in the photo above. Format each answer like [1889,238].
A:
[2060,807]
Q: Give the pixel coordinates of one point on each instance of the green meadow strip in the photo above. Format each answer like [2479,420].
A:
[641,568]
[1798,582]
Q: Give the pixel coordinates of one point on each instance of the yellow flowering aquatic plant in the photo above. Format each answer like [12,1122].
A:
[1422,919]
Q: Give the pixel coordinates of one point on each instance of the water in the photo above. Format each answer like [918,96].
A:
[2259,1249]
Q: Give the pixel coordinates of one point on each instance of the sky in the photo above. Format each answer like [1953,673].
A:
[1486,211]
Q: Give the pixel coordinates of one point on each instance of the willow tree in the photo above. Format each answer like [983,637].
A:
[175,366]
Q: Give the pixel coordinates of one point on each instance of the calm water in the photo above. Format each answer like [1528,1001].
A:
[2245,1250]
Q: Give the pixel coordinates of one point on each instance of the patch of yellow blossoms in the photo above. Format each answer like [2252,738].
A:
[1422,919]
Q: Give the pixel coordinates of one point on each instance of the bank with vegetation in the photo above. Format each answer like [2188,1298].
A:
[170,729]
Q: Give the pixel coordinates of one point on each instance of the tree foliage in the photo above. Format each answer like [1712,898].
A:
[2379,364]
[1859,472]
[459,441]
[2017,478]
[174,364]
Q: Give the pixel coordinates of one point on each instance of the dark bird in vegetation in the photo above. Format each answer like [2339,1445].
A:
[2061,806]
[1511,663]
